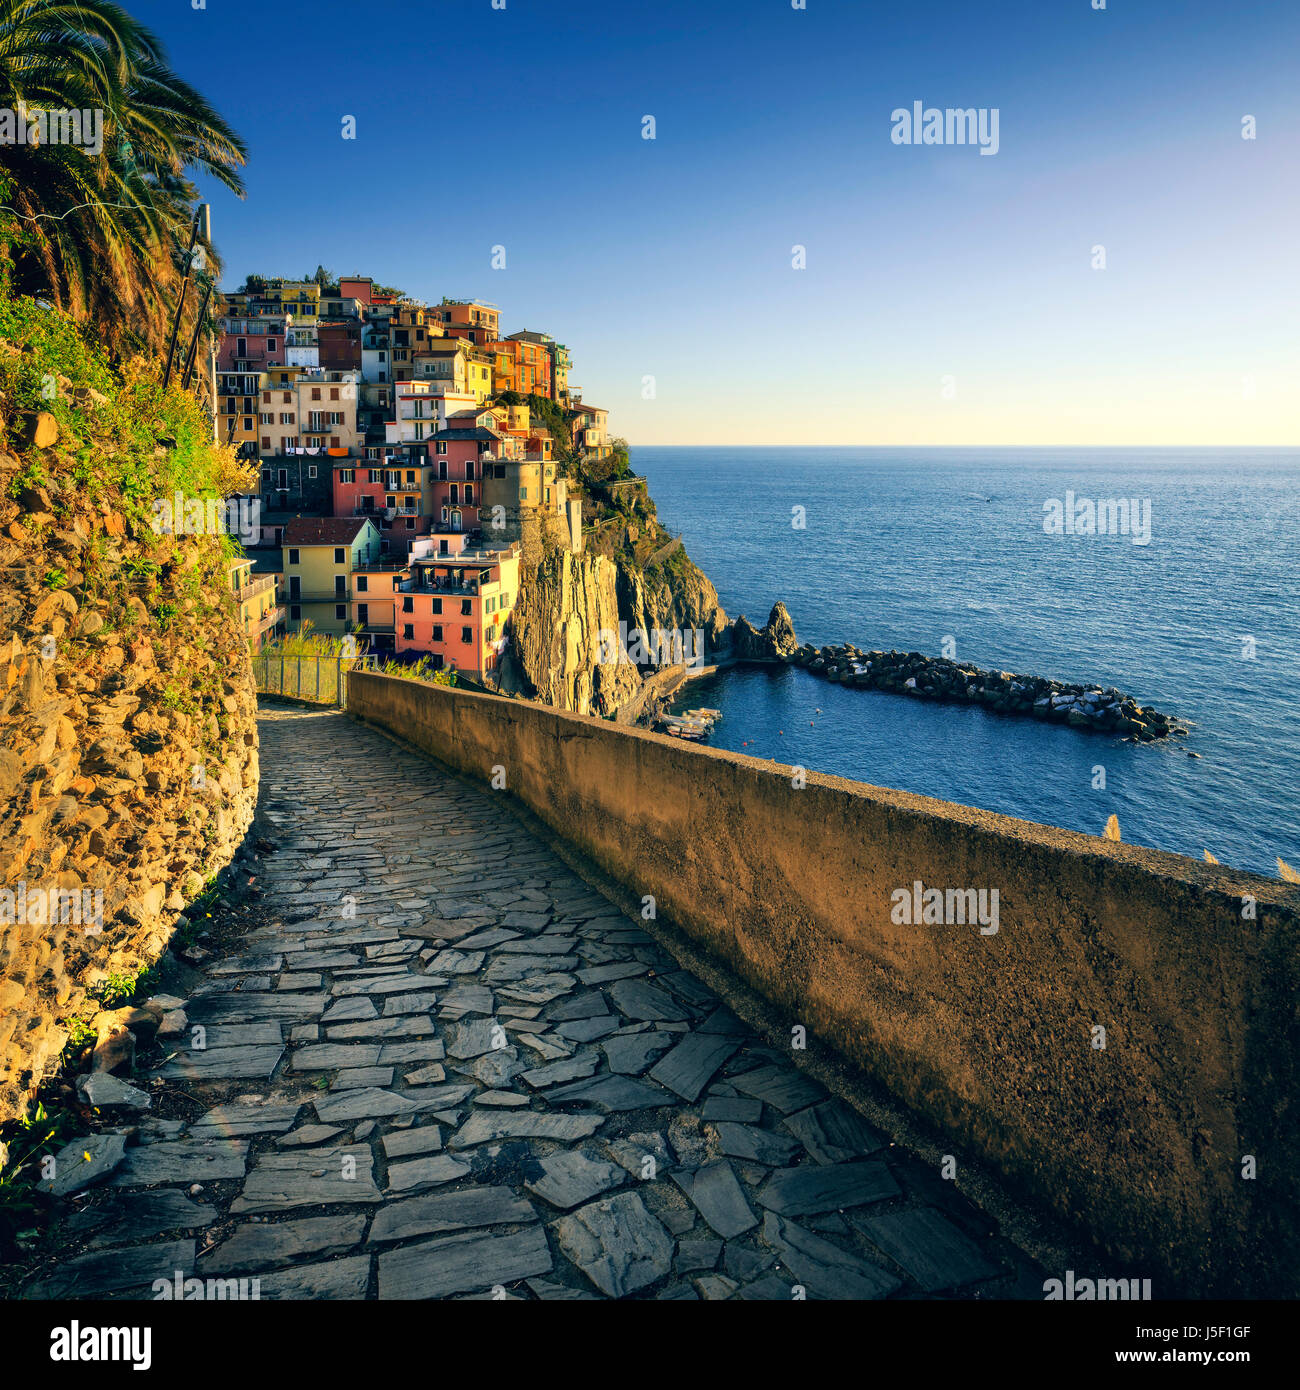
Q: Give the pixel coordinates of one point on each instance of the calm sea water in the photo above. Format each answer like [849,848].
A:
[903,548]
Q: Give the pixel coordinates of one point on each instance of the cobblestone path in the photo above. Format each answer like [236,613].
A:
[452,1069]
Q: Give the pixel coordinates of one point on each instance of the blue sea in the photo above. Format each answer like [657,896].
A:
[903,548]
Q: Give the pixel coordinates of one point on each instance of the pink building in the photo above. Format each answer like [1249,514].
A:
[394,497]
[457,610]
[250,345]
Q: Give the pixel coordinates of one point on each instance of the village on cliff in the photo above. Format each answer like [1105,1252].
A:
[406,455]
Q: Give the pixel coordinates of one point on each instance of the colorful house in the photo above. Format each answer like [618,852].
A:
[474,320]
[522,363]
[457,610]
[320,554]
[238,395]
[394,497]
[260,610]
[590,429]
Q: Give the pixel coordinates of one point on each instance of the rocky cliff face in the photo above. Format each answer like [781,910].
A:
[567,601]
[128,743]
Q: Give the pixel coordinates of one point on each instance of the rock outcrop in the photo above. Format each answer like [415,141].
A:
[567,602]
[775,641]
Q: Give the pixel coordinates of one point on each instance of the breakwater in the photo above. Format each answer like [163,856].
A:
[1102,709]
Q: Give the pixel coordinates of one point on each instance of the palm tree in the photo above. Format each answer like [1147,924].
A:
[104,235]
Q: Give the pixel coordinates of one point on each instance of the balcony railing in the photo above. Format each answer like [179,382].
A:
[413,586]
[256,586]
[320,596]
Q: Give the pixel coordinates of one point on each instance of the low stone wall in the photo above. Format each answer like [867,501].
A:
[1121,1047]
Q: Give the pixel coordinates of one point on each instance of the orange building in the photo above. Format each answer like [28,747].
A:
[519,364]
[468,318]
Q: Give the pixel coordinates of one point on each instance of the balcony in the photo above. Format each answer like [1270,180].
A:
[260,585]
[273,617]
[414,586]
[381,567]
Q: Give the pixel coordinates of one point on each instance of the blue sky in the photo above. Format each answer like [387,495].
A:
[949,297]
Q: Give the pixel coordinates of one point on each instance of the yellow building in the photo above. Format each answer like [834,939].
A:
[301,298]
[238,407]
[259,606]
[320,554]
[455,365]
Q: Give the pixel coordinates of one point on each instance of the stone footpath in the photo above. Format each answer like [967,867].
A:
[452,1069]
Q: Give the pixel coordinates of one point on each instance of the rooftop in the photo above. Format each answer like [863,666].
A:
[324,530]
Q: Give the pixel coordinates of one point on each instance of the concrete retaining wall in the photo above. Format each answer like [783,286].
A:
[991,1038]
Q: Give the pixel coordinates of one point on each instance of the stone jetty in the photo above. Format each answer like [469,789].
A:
[1101,709]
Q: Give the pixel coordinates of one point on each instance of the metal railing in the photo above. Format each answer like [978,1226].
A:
[320,679]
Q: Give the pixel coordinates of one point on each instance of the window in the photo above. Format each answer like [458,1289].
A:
[266,447]
[270,345]
[340,556]
[410,478]
[341,611]
[467,635]
[437,632]
[311,470]
[441,448]
[466,607]
[410,523]
[266,398]
[408,604]
[340,585]
[315,393]
[287,397]
[437,603]
[408,632]
[362,584]
[346,475]
[295,613]
[469,494]
[334,393]
[266,475]
[523,494]
[293,557]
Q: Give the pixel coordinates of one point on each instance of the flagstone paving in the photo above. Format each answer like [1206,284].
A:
[450,1068]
